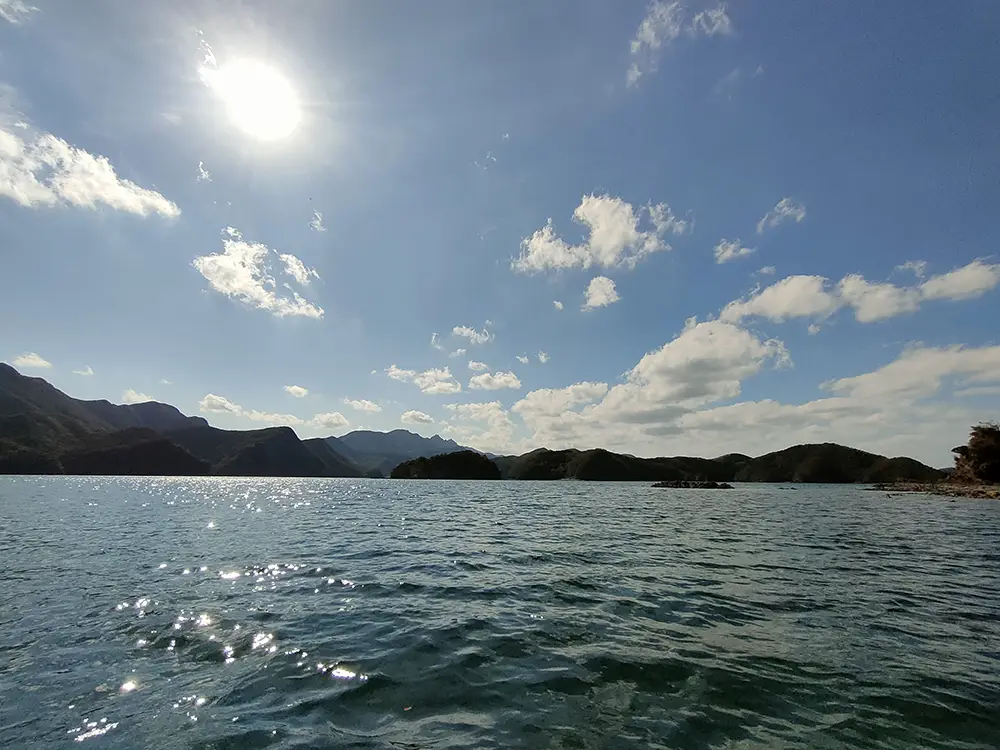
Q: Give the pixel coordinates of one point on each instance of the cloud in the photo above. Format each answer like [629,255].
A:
[213,404]
[917,267]
[15,11]
[86,371]
[297,269]
[711,22]
[475,337]
[726,251]
[296,390]
[726,86]
[810,297]
[241,271]
[785,210]
[557,304]
[46,171]
[436,342]
[164,381]
[203,174]
[131,396]
[767,271]
[967,282]
[413,416]
[543,357]
[494,381]
[478,366]
[486,426]
[460,352]
[317,222]
[433,381]
[32,360]
[813,329]
[363,405]
[523,359]
[333,420]
[983,390]
[614,237]
[601,292]
[661,26]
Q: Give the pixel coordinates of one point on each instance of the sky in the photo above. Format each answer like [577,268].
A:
[662,229]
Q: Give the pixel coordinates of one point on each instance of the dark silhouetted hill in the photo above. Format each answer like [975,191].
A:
[457,465]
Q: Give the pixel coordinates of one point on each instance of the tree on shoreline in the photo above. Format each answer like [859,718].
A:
[979,461]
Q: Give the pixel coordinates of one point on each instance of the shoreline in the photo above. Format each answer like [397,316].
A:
[946,489]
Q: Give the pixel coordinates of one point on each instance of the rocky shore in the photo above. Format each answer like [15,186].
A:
[948,489]
[694,485]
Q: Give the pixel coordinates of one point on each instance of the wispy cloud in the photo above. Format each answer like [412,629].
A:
[475,337]
[433,381]
[785,210]
[712,22]
[543,357]
[557,304]
[86,371]
[32,360]
[728,250]
[44,170]
[317,222]
[297,269]
[15,11]
[661,25]
[242,272]
[203,174]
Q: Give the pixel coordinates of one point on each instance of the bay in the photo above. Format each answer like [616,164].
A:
[251,613]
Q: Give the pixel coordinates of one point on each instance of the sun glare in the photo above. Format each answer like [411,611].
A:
[260,100]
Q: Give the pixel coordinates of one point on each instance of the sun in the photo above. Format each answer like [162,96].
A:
[260,101]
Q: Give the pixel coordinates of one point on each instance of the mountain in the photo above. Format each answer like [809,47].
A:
[456,465]
[382,451]
[832,463]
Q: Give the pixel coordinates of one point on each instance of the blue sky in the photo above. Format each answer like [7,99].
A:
[770,223]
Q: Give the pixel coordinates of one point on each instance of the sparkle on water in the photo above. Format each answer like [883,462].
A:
[333,613]
[259,100]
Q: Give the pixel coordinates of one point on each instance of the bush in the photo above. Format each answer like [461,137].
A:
[979,461]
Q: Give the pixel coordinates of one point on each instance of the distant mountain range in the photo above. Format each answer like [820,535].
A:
[44,431]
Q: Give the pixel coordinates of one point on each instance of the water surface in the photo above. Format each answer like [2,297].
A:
[251,613]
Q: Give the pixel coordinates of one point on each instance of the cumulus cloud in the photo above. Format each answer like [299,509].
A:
[785,210]
[813,297]
[433,381]
[86,371]
[15,11]
[412,416]
[297,269]
[41,169]
[203,174]
[242,272]
[494,381]
[543,357]
[711,22]
[557,304]
[32,360]
[131,396]
[213,404]
[728,250]
[767,271]
[363,405]
[522,358]
[614,237]
[296,390]
[460,352]
[917,267]
[661,25]
[486,426]
[333,420]
[317,222]
[813,329]
[475,337]
[478,366]
[601,292]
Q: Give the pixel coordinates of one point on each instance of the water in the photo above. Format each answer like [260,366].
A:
[251,613]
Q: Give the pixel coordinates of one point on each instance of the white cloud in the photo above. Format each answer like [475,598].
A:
[297,269]
[271,418]
[494,381]
[785,210]
[333,420]
[478,366]
[543,357]
[203,174]
[317,222]
[661,26]
[727,250]
[436,342]
[213,404]
[164,381]
[15,11]
[486,426]
[792,297]
[767,271]
[131,396]
[810,297]
[413,416]
[523,359]
[614,237]
[47,171]
[712,22]
[601,292]
[86,371]
[460,352]
[296,390]
[813,329]
[557,304]
[917,267]
[363,405]
[31,359]
[433,381]
[967,282]
[475,337]
[241,271]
